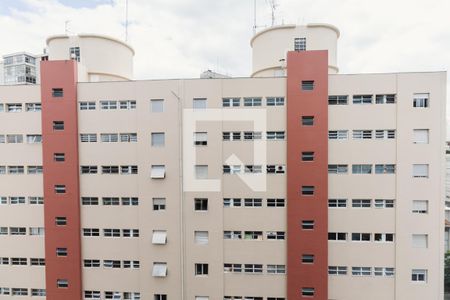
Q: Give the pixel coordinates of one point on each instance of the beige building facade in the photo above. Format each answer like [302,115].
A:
[183,183]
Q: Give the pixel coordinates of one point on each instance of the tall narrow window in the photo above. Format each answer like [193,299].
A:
[300,44]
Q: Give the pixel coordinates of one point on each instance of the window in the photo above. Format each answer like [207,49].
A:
[201,204]
[128,137]
[421,136]
[34,169]
[337,270]
[91,232]
[158,139]
[253,268]
[308,292]
[275,169]
[201,237]
[110,169]
[74,53]
[380,271]
[89,169]
[88,137]
[252,101]
[62,283]
[362,169]
[419,275]
[159,297]
[3,230]
[201,172]
[273,202]
[60,189]
[276,269]
[308,85]
[16,170]
[275,235]
[384,134]
[307,156]
[108,105]
[337,203]
[235,169]
[383,203]
[420,171]
[14,138]
[58,125]
[231,202]
[130,232]
[362,134]
[201,269]
[307,224]
[89,200]
[108,232]
[14,107]
[19,292]
[420,206]
[385,169]
[17,200]
[200,138]
[383,237]
[232,268]
[37,261]
[127,104]
[420,240]
[130,201]
[232,235]
[128,169]
[61,251]
[300,44]
[275,101]
[362,99]
[131,264]
[34,138]
[249,169]
[57,92]
[231,102]
[361,237]
[307,120]
[4,291]
[199,103]
[59,157]
[201,298]
[60,221]
[307,258]
[159,269]
[385,99]
[231,136]
[159,203]
[33,107]
[158,172]
[87,105]
[157,105]
[92,295]
[275,135]
[159,237]
[252,202]
[338,100]
[18,261]
[252,135]
[361,271]
[307,190]
[421,100]
[253,235]
[109,137]
[2,170]
[338,134]
[337,169]
[35,200]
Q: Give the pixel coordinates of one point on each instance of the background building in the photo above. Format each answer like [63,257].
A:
[295,183]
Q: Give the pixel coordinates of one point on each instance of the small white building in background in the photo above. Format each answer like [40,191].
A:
[20,68]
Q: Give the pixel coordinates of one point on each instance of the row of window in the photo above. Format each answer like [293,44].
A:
[111,232]
[362,99]
[252,101]
[254,268]
[362,271]
[252,169]
[361,237]
[14,200]
[20,169]
[21,261]
[115,295]
[6,291]
[108,104]
[18,107]
[362,169]
[18,138]
[127,137]
[418,206]
[125,170]
[251,135]
[22,231]
[420,136]
[253,235]
[111,264]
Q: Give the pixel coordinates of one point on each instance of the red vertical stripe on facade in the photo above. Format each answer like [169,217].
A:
[61,74]
[306,66]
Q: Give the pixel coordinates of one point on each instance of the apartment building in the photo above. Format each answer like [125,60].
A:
[294,183]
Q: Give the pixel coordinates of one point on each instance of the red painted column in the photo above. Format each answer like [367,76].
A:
[61,75]
[307,66]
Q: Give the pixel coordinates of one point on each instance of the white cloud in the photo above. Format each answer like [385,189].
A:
[181,38]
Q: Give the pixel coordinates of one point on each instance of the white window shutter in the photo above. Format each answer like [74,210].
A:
[421,136]
[159,237]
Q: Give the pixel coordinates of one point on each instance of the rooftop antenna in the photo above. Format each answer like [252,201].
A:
[273,6]
[126,21]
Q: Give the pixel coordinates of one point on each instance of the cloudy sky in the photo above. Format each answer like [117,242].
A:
[181,38]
